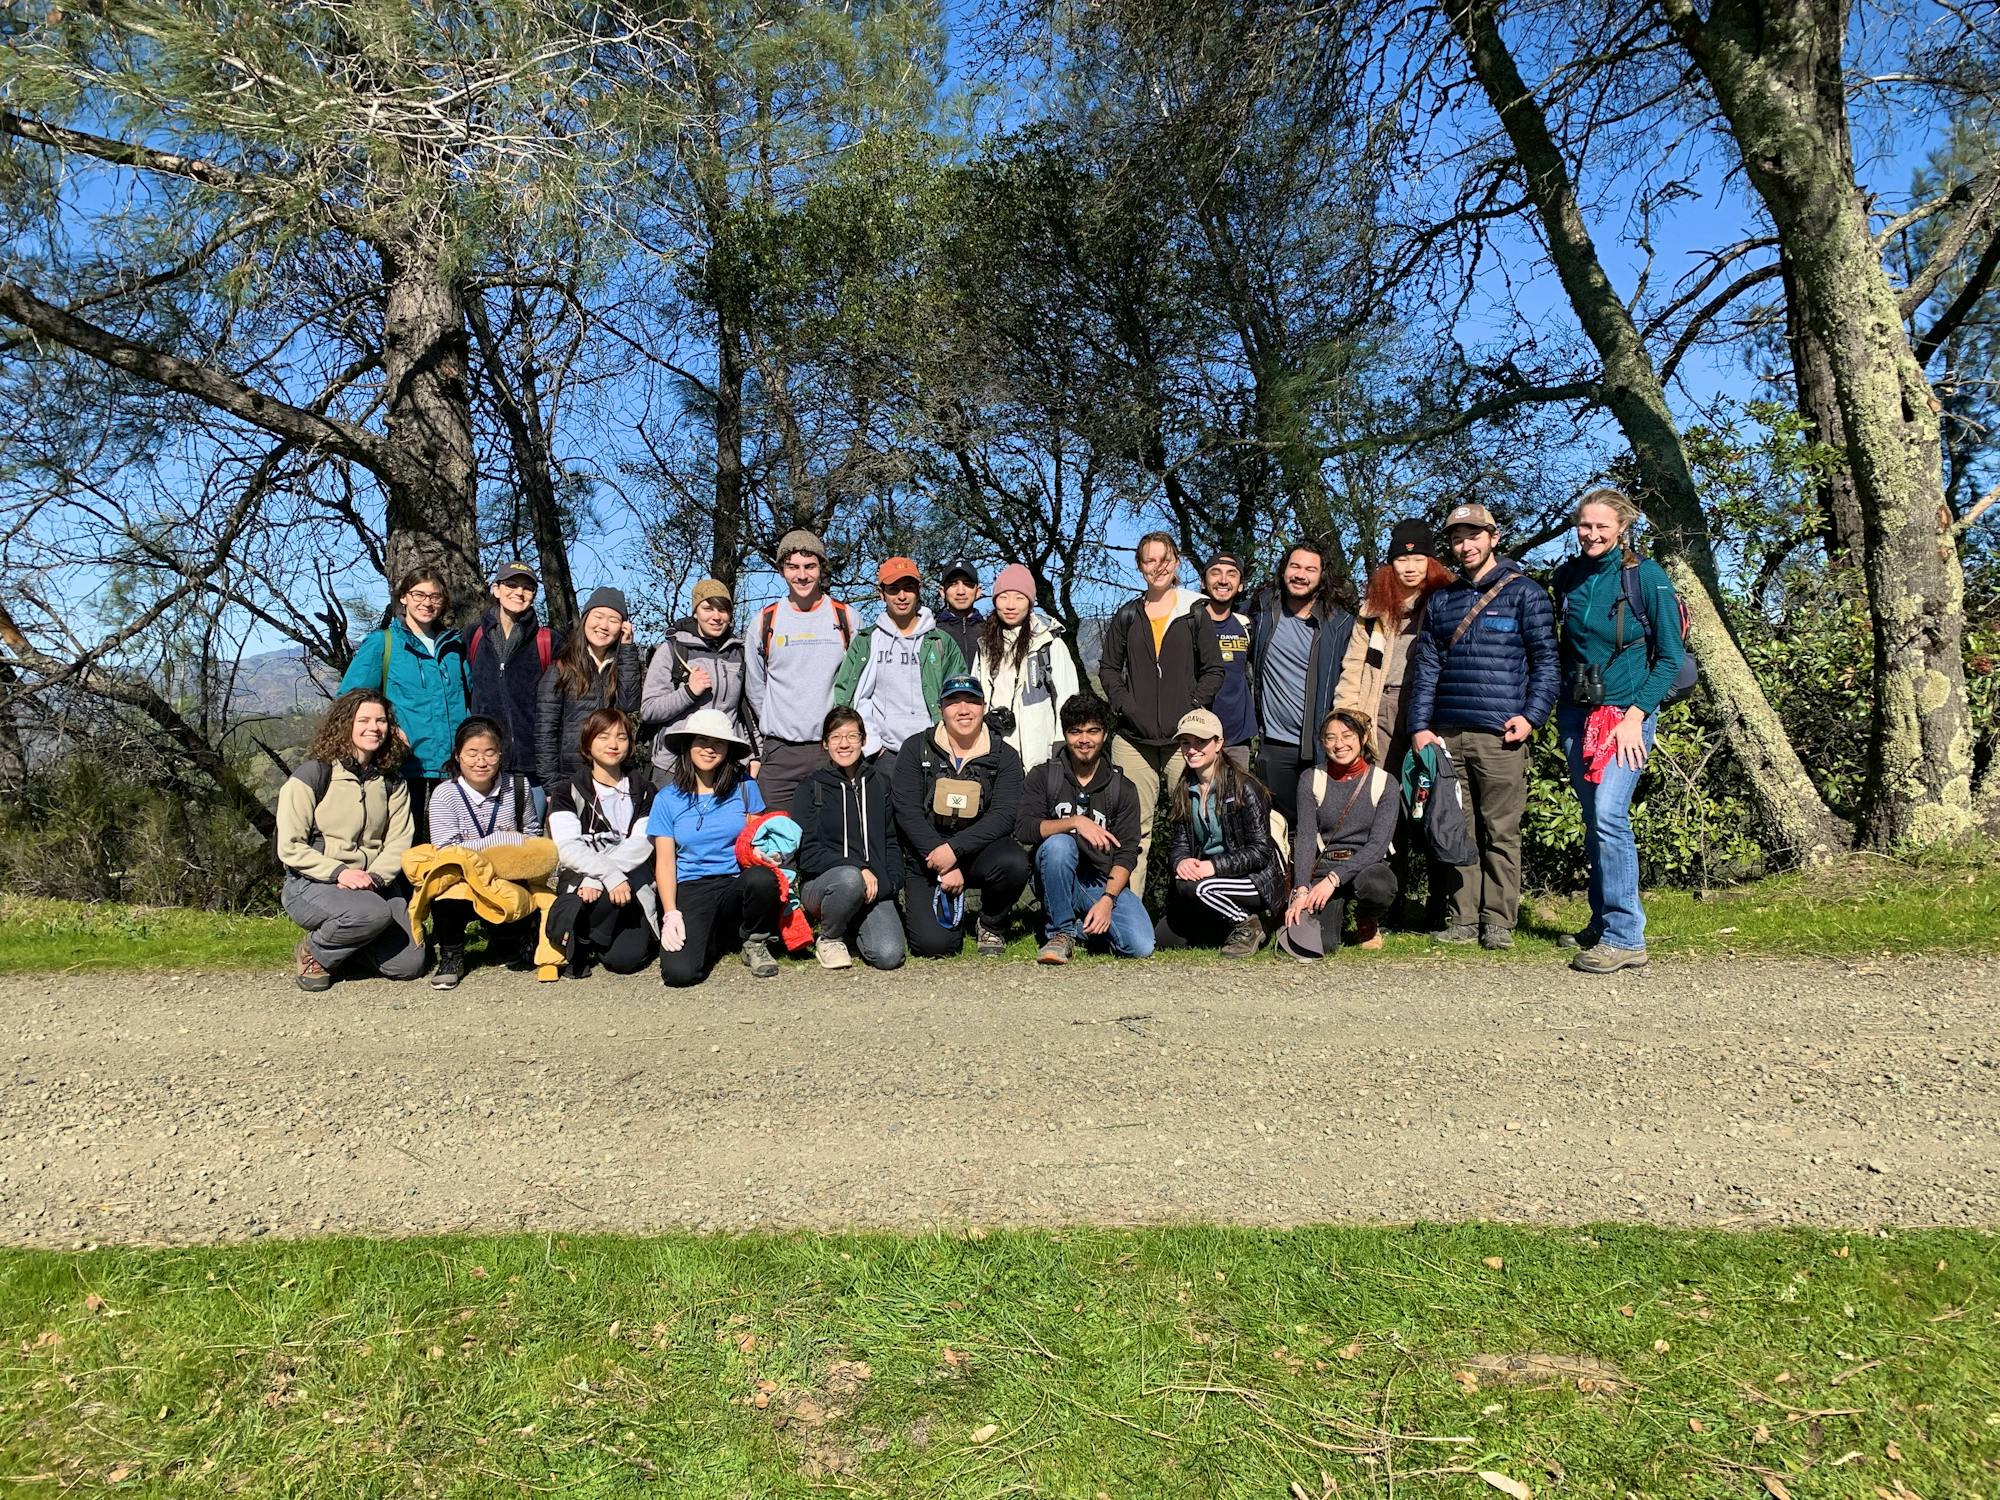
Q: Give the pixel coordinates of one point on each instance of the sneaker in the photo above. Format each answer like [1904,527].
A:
[311,975]
[577,968]
[1570,942]
[757,959]
[1057,950]
[450,968]
[991,942]
[1605,959]
[1367,934]
[1457,932]
[832,954]
[1499,939]
[1244,939]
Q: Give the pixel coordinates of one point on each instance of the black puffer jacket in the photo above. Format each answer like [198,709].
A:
[562,713]
[1247,850]
[921,763]
[847,821]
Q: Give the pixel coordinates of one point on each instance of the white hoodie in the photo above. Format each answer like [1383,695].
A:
[1035,694]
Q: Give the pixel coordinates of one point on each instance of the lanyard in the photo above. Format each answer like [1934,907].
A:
[472,813]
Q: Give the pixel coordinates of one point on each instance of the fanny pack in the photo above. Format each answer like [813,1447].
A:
[955,797]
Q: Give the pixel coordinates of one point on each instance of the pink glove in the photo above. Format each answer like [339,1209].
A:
[673,931]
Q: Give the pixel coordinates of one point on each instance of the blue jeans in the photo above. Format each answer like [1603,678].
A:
[1067,894]
[1616,916]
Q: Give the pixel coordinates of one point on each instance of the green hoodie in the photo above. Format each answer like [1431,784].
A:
[1598,627]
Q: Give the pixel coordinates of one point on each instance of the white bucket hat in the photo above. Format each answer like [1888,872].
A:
[707,724]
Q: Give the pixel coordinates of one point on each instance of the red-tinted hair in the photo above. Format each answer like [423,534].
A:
[1385,590]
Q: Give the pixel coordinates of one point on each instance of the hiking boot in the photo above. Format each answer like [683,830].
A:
[1457,932]
[991,941]
[1244,939]
[1367,934]
[1499,939]
[757,958]
[311,975]
[1057,950]
[1570,942]
[832,954]
[1605,959]
[577,968]
[450,967]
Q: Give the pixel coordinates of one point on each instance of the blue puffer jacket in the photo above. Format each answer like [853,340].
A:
[427,691]
[1504,665]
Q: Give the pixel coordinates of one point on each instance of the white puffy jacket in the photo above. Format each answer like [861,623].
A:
[1036,693]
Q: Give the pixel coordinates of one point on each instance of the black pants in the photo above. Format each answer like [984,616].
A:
[1200,913]
[421,788]
[999,872]
[1373,893]
[1279,767]
[721,912]
[449,920]
[618,937]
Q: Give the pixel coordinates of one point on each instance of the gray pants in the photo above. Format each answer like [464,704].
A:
[785,766]
[367,930]
[837,899]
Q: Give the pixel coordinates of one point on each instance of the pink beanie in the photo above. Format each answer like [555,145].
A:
[1016,578]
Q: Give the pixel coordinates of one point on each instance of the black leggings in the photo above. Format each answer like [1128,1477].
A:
[720,911]
[618,937]
[449,919]
[1373,893]
[999,872]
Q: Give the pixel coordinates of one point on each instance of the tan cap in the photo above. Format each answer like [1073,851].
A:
[710,588]
[1470,514]
[1198,724]
[800,540]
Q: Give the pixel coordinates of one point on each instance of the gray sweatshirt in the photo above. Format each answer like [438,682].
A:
[792,689]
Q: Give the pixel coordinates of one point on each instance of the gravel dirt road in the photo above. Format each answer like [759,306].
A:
[172,1108]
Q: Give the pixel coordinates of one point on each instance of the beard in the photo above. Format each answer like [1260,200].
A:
[1297,601]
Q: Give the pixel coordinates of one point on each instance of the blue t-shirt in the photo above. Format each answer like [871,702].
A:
[704,833]
[1233,702]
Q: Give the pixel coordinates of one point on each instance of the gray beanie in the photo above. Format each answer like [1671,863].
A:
[800,540]
[606,598]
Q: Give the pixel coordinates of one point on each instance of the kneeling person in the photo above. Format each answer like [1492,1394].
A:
[708,901]
[1228,875]
[849,866]
[1347,815]
[956,794]
[1081,814]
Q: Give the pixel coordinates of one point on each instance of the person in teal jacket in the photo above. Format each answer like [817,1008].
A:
[418,662]
[1616,672]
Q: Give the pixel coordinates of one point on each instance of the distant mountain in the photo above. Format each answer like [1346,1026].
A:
[282,682]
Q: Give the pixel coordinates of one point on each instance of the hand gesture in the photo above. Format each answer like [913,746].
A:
[1189,868]
[871,888]
[1629,741]
[941,859]
[1515,730]
[1095,833]
[590,890]
[620,893]
[1097,921]
[673,931]
[355,880]
[699,681]
[1423,739]
[625,634]
[952,881]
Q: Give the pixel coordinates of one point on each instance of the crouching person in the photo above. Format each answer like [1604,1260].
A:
[1346,820]
[1081,816]
[709,902]
[606,908]
[478,810]
[956,794]
[343,824]
[849,865]
[1228,875]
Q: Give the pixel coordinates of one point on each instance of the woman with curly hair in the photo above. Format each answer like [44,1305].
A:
[343,826]
[1378,653]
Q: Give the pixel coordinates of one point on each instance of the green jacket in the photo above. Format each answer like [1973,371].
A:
[1597,627]
[938,659]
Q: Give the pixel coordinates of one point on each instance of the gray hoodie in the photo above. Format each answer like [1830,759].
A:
[890,694]
[667,700]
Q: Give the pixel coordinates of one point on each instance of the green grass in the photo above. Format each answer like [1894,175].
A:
[1859,909]
[1174,1362]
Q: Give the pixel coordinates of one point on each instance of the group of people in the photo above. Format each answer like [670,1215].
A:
[815,781]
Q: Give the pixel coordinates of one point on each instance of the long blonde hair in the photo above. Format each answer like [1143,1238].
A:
[1624,507]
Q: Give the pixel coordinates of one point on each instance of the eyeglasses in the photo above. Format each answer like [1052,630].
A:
[844,742]
[425,597]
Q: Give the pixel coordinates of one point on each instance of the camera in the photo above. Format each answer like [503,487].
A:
[1000,721]
[1586,686]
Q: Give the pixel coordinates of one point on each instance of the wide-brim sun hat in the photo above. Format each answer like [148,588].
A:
[704,724]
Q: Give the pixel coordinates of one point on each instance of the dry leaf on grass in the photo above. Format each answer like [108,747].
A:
[957,1359]
[1467,1381]
[1774,1485]
[93,1303]
[1507,1486]
[746,1343]
[1350,1351]
[1627,1311]
[1493,1263]
[1893,1454]
[1694,1425]
[985,1434]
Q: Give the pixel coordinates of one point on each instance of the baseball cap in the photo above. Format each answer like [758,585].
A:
[515,569]
[711,588]
[1225,557]
[897,568]
[960,569]
[961,687]
[1470,514]
[1409,538]
[1198,724]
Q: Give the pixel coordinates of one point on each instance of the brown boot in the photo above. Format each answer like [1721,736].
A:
[1367,934]
[1244,939]
[311,975]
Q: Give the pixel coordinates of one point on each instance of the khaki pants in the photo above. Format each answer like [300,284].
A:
[1495,777]
[1143,766]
